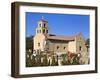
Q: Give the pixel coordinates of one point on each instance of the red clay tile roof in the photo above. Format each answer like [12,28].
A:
[65,38]
[61,37]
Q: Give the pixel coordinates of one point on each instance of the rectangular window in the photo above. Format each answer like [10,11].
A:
[64,47]
[38,44]
[57,47]
[80,48]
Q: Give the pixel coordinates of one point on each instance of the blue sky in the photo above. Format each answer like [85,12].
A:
[59,24]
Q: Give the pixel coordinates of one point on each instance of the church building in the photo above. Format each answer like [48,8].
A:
[59,44]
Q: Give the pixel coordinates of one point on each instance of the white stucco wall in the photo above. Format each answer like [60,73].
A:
[39,38]
[72,46]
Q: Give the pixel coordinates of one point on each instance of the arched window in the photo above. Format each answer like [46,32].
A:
[44,25]
[43,30]
[80,48]
[57,47]
[40,31]
[46,31]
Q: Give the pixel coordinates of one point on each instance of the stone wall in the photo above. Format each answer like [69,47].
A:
[58,46]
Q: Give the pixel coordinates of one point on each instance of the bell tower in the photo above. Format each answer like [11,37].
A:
[42,27]
[40,36]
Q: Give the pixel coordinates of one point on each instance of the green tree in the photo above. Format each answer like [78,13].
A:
[38,60]
[87,41]
[29,42]
[34,61]
[45,61]
[54,63]
[29,62]
[75,61]
[64,56]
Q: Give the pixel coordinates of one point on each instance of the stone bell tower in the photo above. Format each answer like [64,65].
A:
[42,27]
[41,32]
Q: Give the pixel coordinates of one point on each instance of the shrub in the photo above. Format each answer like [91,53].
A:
[75,61]
[54,62]
[64,57]
[29,63]
[45,61]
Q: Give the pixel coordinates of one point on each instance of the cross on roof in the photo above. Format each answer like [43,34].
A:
[42,17]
